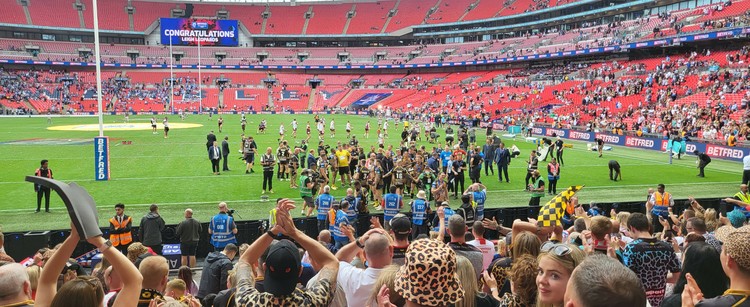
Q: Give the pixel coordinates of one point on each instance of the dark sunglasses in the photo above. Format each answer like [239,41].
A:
[559,250]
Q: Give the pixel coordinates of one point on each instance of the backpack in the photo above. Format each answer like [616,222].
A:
[469,215]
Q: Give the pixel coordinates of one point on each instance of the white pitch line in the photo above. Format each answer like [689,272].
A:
[244,175]
[626,186]
[170,204]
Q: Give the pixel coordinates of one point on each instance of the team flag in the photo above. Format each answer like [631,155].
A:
[553,211]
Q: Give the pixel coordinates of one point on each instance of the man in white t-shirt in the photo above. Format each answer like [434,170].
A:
[358,283]
[484,245]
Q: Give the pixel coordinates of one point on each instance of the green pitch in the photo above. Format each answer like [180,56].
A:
[176,173]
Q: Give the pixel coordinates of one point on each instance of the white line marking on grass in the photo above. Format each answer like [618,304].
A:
[238,175]
[211,202]
[626,186]
[676,162]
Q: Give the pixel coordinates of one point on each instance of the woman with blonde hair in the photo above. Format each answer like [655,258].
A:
[34,271]
[473,296]
[712,219]
[525,243]
[386,278]
[556,264]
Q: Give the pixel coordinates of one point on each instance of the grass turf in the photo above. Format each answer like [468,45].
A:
[175,172]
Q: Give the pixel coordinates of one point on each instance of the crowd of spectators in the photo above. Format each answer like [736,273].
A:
[656,257]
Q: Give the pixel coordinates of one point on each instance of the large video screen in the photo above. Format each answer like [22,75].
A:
[188,32]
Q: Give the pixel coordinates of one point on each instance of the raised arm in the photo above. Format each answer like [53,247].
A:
[129,274]
[47,285]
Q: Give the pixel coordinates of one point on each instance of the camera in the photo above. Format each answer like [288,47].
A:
[231,212]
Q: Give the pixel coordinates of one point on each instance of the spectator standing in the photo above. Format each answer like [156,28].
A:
[485,246]
[556,264]
[457,231]
[222,228]
[282,268]
[120,226]
[401,228]
[356,282]
[189,231]
[443,288]
[654,261]
[216,271]
[150,229]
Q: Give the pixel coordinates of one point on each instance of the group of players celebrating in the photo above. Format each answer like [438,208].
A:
[369,174]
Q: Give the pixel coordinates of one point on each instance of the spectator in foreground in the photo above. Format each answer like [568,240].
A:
[358,283]
[186,275]
[735,260]
[216,270]
[225,298]
[523,278]
[703,263]
[441,288]
[3,255]
[485,246]
[602,281]
[155,272]
[651,259]
[14,285]
[457,229]
[473,295]
[401,228]
[283,266]
[88,291]
[556,264]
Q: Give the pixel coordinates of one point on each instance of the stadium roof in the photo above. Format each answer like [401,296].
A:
[292,2]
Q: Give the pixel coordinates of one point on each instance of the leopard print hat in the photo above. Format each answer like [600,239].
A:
[428,276]
[736,243]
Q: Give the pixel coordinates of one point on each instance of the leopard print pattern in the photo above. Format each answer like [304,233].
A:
[428,276]
[319,295]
